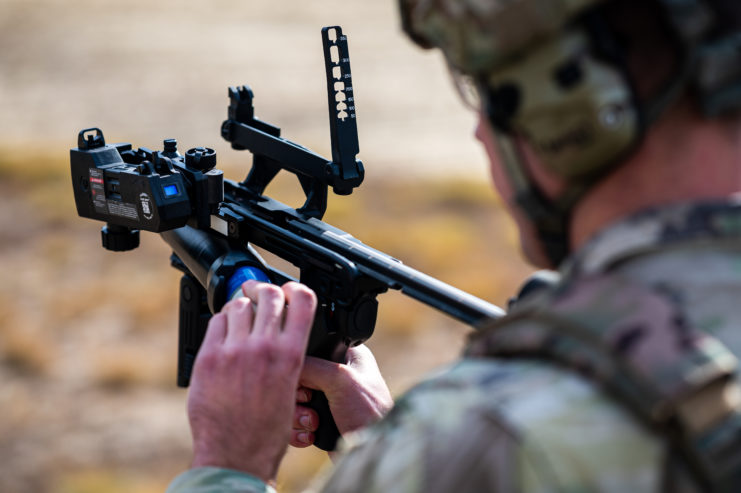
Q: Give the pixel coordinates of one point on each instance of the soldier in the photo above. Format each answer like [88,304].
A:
[614,138]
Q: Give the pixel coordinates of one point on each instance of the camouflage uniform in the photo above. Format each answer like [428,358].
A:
[656,285]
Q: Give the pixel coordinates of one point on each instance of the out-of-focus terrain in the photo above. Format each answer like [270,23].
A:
[88,337]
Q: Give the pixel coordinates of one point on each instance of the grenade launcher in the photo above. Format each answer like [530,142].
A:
[211,224]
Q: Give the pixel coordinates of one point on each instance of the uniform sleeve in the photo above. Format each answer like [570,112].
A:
[217,480]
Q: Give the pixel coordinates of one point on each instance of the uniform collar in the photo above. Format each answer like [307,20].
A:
[653,229]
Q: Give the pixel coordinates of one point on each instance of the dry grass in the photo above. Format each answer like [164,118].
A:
[44,177]
[299,467]
[123,368]
[105,481]
[33,164]
[24,353]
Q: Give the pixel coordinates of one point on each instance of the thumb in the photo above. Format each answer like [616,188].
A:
[320,374]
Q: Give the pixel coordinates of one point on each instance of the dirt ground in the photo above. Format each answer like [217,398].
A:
[88,337]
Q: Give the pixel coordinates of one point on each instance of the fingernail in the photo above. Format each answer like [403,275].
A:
[305,421]
[303,396]
[303,437]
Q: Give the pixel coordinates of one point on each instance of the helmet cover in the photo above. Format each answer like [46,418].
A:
[479,35]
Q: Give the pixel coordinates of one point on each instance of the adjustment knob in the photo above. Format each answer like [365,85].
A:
[118,238]
[201,158]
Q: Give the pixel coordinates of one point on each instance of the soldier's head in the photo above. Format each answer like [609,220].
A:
[569,89]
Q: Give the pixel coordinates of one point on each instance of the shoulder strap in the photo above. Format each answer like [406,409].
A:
[636,343]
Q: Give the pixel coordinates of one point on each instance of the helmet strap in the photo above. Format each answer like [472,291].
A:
[551,218]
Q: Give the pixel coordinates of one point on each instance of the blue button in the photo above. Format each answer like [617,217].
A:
[242,275]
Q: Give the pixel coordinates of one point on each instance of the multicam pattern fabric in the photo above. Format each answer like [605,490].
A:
[480,35]
[513,425]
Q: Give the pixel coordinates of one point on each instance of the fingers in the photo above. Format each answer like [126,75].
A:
[289,309]
[301,439]
[322,375]
[239,319]
[212,342]
[301,303]
[215,332]
[305,423]
[327,376]
[271,301]
[303,395]
[305,419]
[361,357]
[356,391]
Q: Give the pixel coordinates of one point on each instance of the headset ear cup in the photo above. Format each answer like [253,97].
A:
[576,112]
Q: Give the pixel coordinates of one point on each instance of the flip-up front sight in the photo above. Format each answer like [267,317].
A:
[342,119]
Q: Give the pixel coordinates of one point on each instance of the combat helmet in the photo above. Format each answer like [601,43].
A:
[552,73]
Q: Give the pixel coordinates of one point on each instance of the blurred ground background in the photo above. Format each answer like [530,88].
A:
[88,337]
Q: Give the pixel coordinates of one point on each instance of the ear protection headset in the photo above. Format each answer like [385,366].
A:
[572,101]
[566,92]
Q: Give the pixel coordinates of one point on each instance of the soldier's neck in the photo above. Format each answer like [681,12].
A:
[684,158]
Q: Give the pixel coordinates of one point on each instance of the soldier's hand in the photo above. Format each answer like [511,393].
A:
[242,395]
[356,391]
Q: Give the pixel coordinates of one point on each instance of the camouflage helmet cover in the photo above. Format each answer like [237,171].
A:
[478,36]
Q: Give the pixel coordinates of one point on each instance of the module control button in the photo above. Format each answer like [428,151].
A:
[201,158]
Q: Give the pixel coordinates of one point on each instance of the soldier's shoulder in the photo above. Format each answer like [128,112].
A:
[530,426]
